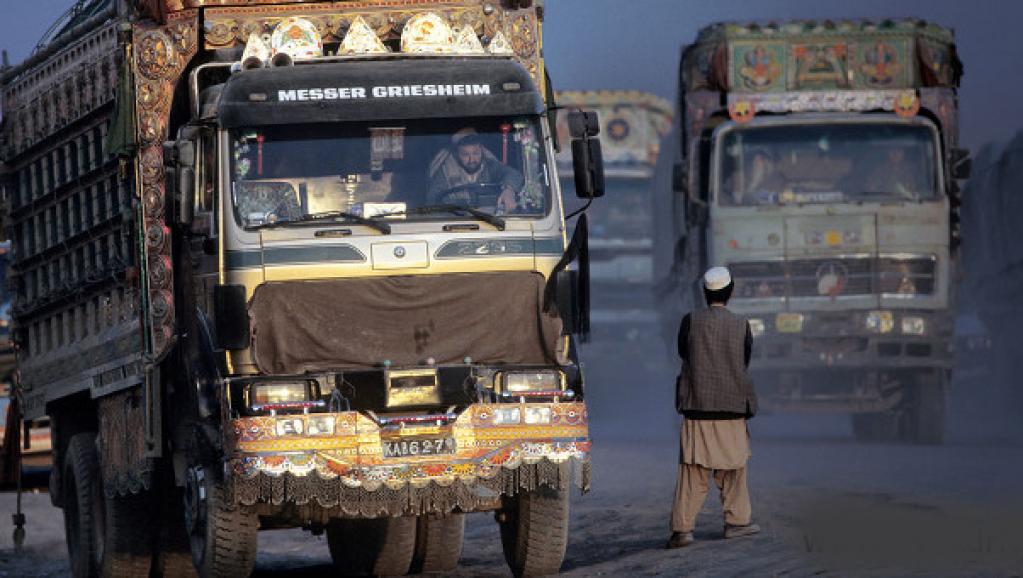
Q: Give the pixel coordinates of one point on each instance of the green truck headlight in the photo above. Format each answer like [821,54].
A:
[880,321]
[528,381]
[914,325]
[789,322]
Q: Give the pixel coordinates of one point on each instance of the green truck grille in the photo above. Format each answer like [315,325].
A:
[835,277]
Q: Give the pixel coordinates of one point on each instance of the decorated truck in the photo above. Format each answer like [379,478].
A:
[819,161]
[297,264]
[621,229]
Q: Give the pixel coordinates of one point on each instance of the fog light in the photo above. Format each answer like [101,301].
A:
[507,416]
[518,382]
[756,327]
[913,325]
[261,394]
[538,415]
[789,322]
[880,321]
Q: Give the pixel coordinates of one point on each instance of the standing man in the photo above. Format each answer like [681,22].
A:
[715,394]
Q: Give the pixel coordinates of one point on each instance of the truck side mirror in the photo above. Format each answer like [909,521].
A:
[680,178]
[587,156]
[583,124]
[961,164]
[588,162]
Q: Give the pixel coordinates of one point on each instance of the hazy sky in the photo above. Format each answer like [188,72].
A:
[636,44]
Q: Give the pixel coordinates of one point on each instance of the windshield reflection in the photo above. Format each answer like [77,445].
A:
[794,164]
[397,170]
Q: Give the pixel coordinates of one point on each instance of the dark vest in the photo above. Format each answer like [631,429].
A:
[715,379]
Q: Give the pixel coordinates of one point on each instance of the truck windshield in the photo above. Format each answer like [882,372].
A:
[283,174]
[827,163]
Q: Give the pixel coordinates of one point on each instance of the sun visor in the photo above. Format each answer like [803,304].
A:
[378,90]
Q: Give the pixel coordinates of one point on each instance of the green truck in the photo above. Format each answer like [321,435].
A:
[820,162]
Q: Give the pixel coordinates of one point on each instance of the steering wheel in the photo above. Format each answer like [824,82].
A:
[469,194]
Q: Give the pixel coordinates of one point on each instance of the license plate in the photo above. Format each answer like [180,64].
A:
[418,447]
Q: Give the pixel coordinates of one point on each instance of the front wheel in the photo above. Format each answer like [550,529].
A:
[222,535]
[534,531]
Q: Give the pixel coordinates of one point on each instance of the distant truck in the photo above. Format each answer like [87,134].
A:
[819,161]
[283,264]
[621,228]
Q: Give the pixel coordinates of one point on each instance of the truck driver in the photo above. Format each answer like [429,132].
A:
[467,167]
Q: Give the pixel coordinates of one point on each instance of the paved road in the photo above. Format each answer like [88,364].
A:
[828,505]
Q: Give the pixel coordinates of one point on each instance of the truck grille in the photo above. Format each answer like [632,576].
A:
[845,276]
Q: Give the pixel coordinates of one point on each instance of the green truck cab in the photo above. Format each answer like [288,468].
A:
[819,162]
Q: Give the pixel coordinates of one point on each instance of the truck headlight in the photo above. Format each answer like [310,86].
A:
[789,322]
[914,325]
[273,394]
[880,321]
[528,381]
[756,327]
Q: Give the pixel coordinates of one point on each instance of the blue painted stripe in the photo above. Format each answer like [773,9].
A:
[275,256]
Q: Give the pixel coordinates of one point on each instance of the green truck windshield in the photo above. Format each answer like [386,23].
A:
[282,174]
[827,163]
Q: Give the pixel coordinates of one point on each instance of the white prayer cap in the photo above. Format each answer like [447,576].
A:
[716,278]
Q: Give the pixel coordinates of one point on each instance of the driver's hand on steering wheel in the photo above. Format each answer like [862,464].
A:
[507,202]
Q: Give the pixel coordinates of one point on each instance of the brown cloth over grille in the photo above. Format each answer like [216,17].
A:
[322,325]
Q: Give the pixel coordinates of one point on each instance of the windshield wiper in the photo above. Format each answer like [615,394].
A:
[484,216]
[359,219]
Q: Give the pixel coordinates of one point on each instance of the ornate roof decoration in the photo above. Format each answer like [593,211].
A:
[427,33]
[500,45]
[806,55]
[361,40]
[466,42]
[296,37]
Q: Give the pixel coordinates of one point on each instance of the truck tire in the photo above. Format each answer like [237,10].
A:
[438,543]
[128,551]
[378,547]
[83,506]
[924,421]
[222,535]
[534,531]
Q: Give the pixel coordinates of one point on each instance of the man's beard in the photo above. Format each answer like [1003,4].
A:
[471,168]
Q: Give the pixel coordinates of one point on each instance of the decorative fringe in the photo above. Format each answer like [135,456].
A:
[409,500]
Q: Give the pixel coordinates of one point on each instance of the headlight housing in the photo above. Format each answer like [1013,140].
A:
[880,321]
[281,395]
[520,382]
[912,325]
[789,322]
